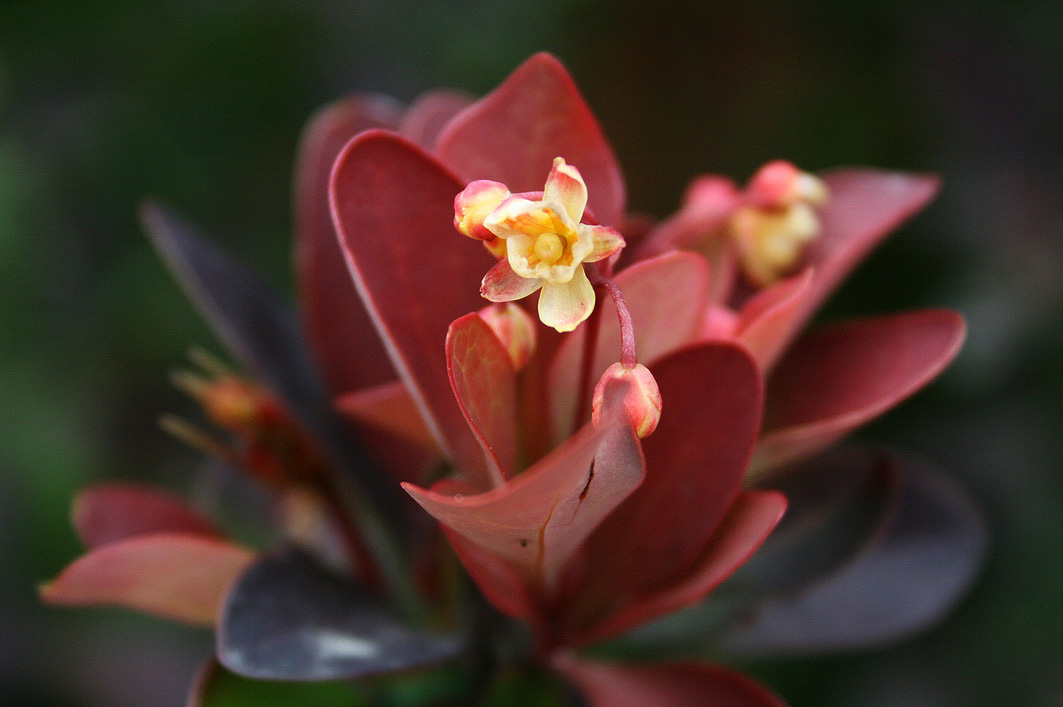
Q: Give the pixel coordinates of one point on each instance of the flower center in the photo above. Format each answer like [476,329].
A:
[549,248]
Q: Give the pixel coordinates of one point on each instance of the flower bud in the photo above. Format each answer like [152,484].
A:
[473,204]
[642,402]
[514,328]
[780,184]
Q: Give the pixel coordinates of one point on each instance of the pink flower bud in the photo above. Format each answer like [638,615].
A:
[514,328]
[642,403]
[474,203]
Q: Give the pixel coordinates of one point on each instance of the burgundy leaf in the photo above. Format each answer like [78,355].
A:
[666,297]
[178,576]
[906,580]
[334,318]
[671,684]
[485,385]
[695,462]
[839,377]
[513,134]
[750,520]
[286,618]
[429,114]
[393,208]
[539,519]
[865,205]
[106,513]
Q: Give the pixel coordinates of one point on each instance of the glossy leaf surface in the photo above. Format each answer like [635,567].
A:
[513,134]
[485,385]
[106,513]
[393,206]
[904,581]
[289,619]
[839,377]
[176,576]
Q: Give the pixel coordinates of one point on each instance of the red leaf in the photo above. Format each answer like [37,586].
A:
[485,384]
[839,377]
[513,134]
[751,518]
[539,519]
[865,205]
[335,320]
[672,684]
[107,513]
[388,407]
[429,114]
[769,320]
[393,206]
[695,463]
[666,297]
[176,576]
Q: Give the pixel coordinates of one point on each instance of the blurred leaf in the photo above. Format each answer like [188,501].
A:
[288,619]
[105,513]
[217,687]
[929,552]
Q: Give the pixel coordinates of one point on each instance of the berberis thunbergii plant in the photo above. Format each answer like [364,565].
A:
[605,418]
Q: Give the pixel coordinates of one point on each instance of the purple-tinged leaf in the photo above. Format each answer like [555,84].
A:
[106,513]
[393,206]
[907,579]
[485,385]
[865,206]
[839,503]
[335,320]
[513,134]
[671,684]
[286,618]
[750,520]
[260,330]
[839,377]
[183,577]
[426,117]
[695,462]
[666,298]
[538,520]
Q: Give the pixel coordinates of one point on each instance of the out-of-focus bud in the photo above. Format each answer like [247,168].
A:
[514,328]
[642,403]
[780,184]
[472,205]
[236,404]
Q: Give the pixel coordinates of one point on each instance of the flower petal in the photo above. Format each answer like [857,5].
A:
[501,284]
[513,134]
[333,316]
[485,385]
[695,463]
[393,207]
[539,519]
[106,513]
[663,319]
[564,307]
[173,575]
[606,242]
[565,186]
[839,377]
[672,684]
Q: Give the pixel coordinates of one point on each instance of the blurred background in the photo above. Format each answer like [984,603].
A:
[200,103]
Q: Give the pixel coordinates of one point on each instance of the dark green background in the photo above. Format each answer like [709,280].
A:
[200,102]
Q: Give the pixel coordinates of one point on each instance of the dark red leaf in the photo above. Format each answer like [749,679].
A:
[393,206]
[429,114]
